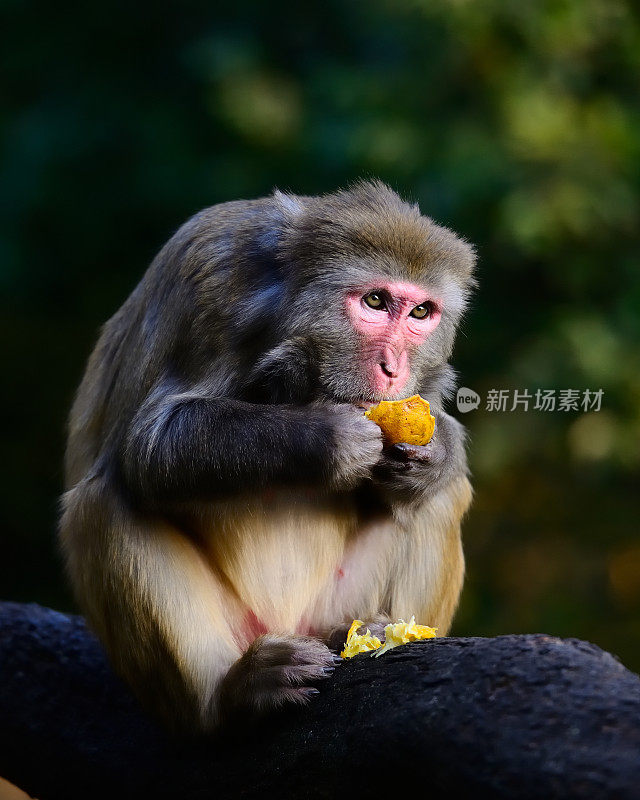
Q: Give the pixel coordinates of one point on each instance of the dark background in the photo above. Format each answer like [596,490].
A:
[515,123]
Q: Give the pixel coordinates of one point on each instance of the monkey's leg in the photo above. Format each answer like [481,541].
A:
[164,617]
[429,566]
[171,627]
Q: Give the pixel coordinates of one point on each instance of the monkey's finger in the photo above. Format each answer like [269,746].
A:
[315,655]
[411,452]
[301,675]
[265,701]
[275,678]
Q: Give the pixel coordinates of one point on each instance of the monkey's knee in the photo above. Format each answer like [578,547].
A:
[276,670]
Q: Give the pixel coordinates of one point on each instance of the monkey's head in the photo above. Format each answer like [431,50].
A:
[372,294]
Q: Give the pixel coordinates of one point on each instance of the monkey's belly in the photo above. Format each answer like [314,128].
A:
[295,564]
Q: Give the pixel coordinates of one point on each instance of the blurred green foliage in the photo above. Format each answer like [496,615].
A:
[515,123]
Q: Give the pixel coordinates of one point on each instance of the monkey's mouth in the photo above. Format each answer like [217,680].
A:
[366,404]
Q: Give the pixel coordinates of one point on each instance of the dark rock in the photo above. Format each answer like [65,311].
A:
[510,717]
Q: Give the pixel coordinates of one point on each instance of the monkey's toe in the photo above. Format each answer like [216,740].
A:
[276,671]
[336,637]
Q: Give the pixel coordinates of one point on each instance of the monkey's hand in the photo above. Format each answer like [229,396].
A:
[357,446]
[275,671]
[408,473]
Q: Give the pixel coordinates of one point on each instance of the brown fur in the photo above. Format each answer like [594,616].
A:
[213,596]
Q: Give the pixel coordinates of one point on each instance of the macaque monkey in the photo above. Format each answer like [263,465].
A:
[229,510]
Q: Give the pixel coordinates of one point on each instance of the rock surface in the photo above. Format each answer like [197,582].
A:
[511,717]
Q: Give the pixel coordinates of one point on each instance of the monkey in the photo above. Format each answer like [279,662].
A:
[228,509]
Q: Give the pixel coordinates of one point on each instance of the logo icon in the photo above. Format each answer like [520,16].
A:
[467,399]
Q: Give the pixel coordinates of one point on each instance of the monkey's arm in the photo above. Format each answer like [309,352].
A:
[429,492]
[411,473]
[187,446]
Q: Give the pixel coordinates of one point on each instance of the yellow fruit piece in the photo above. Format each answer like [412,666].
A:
[359,643]
[395,633]
[404,632]
[408,421]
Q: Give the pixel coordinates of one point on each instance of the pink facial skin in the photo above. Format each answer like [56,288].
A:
[389,335]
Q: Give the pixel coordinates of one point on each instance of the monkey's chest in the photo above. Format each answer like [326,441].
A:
[297,563]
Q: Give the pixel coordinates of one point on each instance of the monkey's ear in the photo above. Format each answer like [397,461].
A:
[290,205]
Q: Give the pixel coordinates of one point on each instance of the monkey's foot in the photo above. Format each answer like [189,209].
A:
[337,636]
[276,670]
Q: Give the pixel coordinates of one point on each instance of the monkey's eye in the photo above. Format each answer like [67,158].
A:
[421,311]
[374,300]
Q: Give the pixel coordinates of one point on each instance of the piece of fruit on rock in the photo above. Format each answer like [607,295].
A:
[404,633]
[409,421]
[359,642]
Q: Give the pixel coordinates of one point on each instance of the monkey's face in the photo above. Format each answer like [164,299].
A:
[377,337]
[372,339]
[376,333]
[391,320]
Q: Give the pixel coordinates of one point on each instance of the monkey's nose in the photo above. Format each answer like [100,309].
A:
[391,370]
[392,364]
